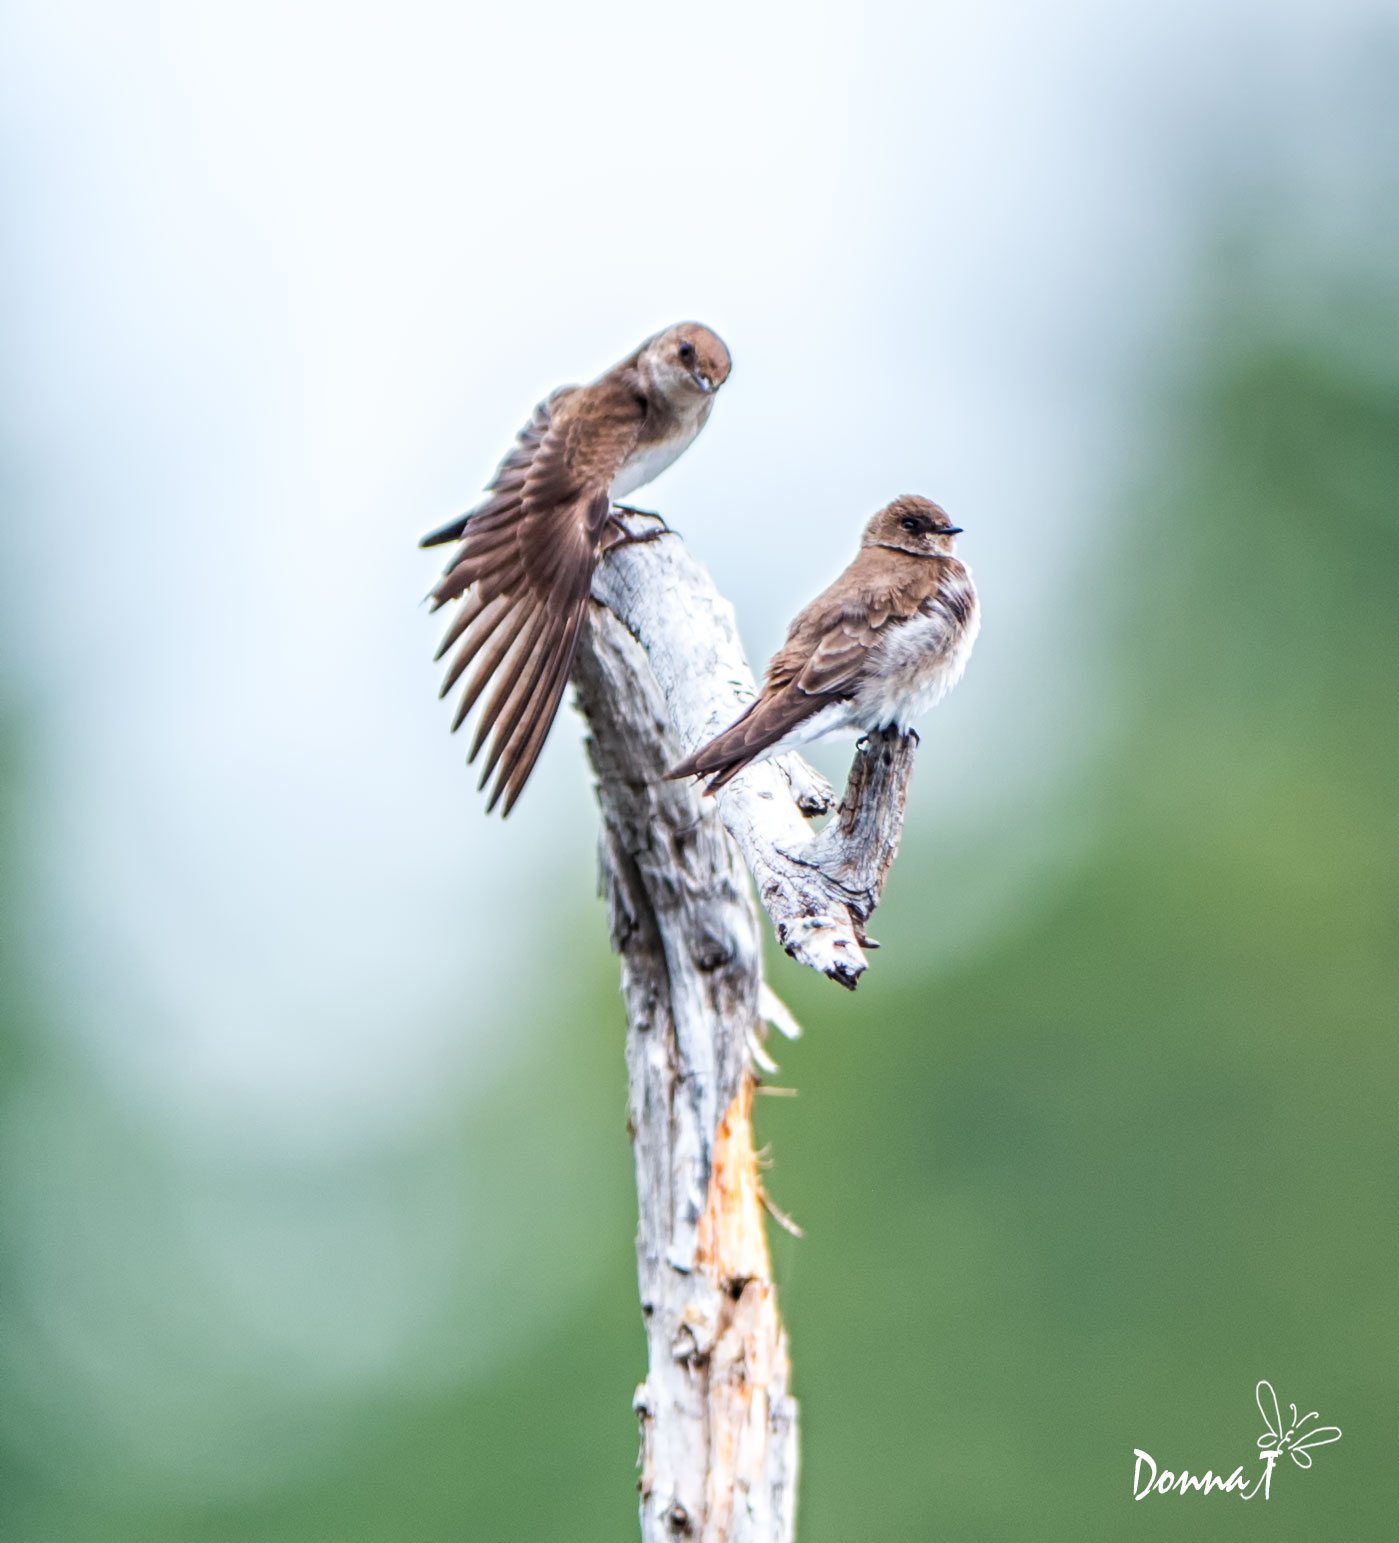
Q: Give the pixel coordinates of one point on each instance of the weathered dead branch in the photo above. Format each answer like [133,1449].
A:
[659,671]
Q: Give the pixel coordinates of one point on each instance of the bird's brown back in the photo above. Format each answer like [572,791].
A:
[832,639]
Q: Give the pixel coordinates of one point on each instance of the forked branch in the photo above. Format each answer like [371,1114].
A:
[660,669]
[819,892]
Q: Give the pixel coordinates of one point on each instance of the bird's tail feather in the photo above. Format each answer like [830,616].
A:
[453,530]
[770,719]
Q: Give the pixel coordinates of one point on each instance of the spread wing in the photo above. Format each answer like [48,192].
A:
[823,661]
[524,569]
[505,487]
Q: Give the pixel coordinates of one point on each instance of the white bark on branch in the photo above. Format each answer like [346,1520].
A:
[660,670]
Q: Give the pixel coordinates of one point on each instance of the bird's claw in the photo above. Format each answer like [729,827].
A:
[621,536]
[645,514]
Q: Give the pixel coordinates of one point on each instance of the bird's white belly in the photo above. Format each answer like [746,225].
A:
[647,462]
[919,665]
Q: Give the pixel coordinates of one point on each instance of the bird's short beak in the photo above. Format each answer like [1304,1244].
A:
[950,530]
[703,382]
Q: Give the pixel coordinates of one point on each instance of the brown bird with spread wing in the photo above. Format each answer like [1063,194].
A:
[525,564]
[887,641]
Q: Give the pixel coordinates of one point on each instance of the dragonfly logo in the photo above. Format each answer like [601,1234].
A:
[1296,1438]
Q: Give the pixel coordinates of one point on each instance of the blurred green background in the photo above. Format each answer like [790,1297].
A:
[1087,1155]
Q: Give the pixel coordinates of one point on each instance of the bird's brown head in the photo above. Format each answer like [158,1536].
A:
[914,525]
[687,360]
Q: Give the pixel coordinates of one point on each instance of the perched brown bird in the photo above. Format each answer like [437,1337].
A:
[528,551]
[887,641]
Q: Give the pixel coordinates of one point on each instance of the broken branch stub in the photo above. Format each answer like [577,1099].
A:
[858,847]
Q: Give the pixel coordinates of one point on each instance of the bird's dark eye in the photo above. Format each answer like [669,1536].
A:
[687,351]
[912,524]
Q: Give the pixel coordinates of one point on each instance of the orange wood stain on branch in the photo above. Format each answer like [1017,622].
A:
[733,1246]
[750,1347]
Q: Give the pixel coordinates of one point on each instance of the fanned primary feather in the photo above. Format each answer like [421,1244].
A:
[885,642]
[524,569]
[527,559]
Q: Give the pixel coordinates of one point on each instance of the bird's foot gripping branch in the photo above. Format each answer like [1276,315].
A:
[659,670]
